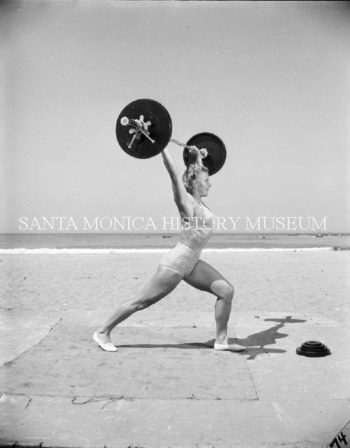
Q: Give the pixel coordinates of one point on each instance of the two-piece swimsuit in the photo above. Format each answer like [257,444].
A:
[195,234]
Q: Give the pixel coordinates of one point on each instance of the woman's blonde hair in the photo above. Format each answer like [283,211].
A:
[191,174]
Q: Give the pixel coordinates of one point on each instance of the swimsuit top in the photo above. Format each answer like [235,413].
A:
[196,230]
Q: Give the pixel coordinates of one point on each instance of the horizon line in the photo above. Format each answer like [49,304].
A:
[178,232]
[111,251]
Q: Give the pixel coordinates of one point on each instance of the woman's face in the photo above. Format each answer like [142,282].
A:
[202,184]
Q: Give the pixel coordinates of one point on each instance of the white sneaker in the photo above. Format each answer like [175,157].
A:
[226,347]
[106,346]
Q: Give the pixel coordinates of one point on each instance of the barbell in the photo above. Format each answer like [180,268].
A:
[144,129]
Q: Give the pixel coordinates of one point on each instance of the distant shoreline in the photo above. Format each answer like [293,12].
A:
[316,234]
[77,251]
[164,240]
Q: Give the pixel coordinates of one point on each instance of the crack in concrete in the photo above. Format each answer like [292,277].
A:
[113,400]
[252,381]
[75,400]
[51,328]
[29,401]
[95,399]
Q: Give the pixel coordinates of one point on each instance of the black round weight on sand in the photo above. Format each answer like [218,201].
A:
[313,349]
[158,128]
[216,151]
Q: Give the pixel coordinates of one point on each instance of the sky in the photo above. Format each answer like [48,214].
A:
[271,79]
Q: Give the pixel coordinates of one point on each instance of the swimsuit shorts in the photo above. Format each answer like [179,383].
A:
[181,258]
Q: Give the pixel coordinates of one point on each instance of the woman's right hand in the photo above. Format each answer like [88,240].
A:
[200,154]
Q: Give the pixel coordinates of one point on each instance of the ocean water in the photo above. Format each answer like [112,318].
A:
[168,240]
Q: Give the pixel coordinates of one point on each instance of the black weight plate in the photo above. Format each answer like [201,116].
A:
[216,151]
[313,349]
[160,129]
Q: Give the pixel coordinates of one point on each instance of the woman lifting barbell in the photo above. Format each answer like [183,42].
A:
[183,261]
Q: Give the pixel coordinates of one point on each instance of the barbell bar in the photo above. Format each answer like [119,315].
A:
[144,129]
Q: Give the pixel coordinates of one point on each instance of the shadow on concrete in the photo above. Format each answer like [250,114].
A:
[255,343]
[189,345]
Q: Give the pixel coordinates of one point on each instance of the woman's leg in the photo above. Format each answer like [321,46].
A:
[206,278]
[160,285]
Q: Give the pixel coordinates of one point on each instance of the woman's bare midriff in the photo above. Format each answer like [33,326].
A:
[196,230]
[195,238]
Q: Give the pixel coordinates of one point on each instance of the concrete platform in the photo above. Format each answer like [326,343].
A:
[166,387]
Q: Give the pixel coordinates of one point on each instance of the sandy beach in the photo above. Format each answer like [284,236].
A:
[312,282]
[165,386]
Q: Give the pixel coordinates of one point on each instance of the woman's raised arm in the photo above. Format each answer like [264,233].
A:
[180,193]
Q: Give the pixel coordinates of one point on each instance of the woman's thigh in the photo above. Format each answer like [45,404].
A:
[161,283]
[206,278]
